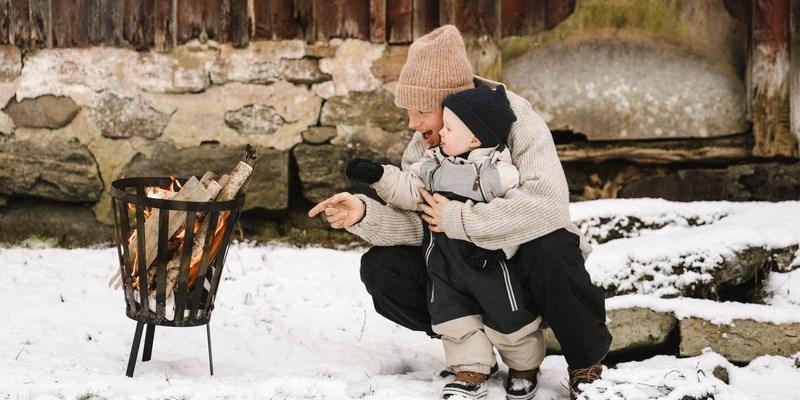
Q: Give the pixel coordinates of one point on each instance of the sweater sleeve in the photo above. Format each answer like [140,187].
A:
[539,205]
[384,225]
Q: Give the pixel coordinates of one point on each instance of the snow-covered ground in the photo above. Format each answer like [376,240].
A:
[295,323]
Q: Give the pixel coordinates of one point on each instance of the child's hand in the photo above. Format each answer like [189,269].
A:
[363,170]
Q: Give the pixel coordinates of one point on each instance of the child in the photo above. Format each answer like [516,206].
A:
[475,302]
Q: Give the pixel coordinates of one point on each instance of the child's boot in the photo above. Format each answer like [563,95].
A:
[470,385]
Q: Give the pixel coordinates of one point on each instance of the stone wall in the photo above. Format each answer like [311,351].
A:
[73,120]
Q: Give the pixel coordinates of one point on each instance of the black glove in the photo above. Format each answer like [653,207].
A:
[363,170]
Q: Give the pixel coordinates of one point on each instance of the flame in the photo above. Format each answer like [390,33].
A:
[176,242]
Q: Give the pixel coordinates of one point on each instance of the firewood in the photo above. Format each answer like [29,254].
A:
[192,190]
[237,179]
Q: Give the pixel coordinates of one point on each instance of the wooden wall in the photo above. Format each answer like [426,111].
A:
[162,24]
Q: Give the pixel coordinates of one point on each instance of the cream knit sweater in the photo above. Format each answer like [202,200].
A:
[540,204]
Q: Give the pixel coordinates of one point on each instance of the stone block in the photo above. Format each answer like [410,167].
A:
[119,116]
[633,329]
[57,169]
[266,62]
[54,222]
[51,112]
[319,134]
[741,341]
[269,187]
[10,63]
[364,108]
[254,119]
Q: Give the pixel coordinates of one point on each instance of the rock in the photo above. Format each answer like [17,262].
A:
[55,169]
[683,185]
[266,62]
[269,188]
[10,63]
[763,182]
[373,140]
[633,329]
[255,119]
[351,68]
[51,112]
[387,68]
[200,118]
[321,169]
[124,117]
[619,87]
[364,108]
[54,222]
[741,341]
[319,134]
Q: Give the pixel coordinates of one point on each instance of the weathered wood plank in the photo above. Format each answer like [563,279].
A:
[105,22]
[304,17]
[557,11]
[398,23]
[327,16]
[5,21]
[342,19]
[19,28]
[425,17]
[165,21]
[447,12]
[479,18]
[712,150]
[275,20]
[377,21]
[199,19]
[522,17]
[41,23]
[355,19]
[239,23]
[769,79]
[794,74]
[139,23]
[71,23]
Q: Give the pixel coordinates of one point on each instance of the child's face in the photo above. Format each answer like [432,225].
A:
[455,138]
[427,123]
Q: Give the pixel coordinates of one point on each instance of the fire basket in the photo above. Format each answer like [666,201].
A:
[171,252]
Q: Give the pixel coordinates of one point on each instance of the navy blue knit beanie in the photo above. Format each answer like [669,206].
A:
[486,112]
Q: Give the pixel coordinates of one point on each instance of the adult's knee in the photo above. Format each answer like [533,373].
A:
[395,266]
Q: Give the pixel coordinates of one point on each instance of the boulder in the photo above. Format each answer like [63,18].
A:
[57,169]
[51,112]
[742,340]
[119,116]
[269,188]
[55,222]
[634,329]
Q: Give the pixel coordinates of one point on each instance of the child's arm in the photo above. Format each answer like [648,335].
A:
[401,188]
[396,187]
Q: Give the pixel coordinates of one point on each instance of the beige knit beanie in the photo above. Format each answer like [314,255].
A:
[436,66]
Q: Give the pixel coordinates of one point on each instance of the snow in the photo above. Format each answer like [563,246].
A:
[296,323]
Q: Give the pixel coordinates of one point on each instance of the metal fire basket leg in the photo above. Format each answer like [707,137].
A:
[194,283]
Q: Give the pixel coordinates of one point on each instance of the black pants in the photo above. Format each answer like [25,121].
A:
[552,267]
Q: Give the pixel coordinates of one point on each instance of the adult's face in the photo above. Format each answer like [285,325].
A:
[429,123]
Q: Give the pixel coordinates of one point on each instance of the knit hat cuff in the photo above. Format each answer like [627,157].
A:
[419,98]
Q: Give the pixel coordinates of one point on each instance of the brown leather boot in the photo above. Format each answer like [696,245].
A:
[578,376]
[470,385]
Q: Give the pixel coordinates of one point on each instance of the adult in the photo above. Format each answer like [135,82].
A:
[534,216]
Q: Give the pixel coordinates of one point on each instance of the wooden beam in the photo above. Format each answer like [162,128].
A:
[398,21]
[41,23]
[794,74]
[164,25]
[522,17]
[238,23]
[377,21]
[714,150]
[139,23]
[768,73]
[447,12]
